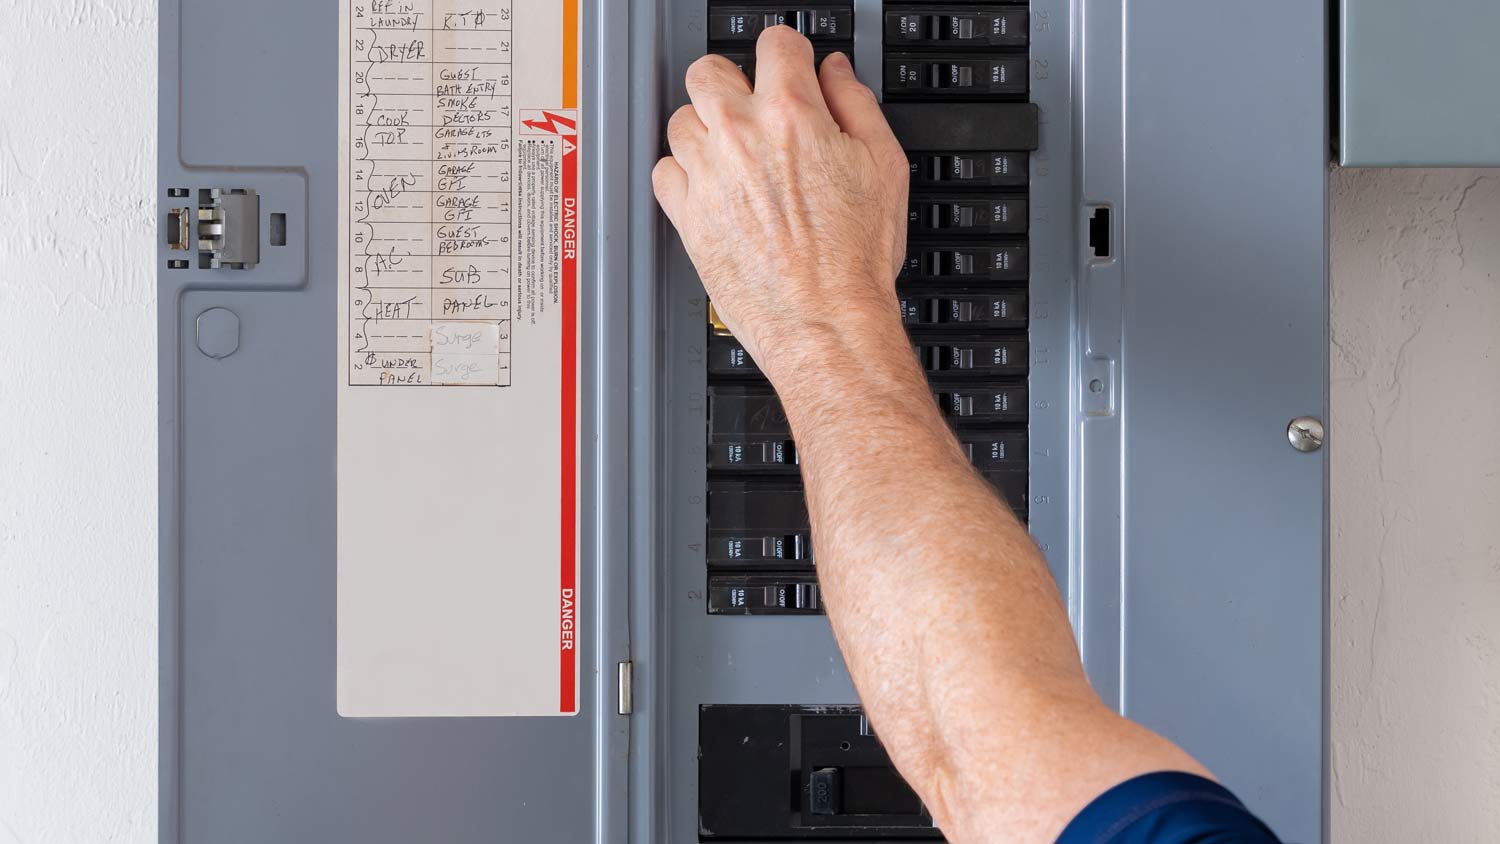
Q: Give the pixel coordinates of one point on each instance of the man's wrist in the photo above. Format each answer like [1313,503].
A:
[849,363]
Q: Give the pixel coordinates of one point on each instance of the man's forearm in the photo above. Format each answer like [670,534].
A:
[952,626]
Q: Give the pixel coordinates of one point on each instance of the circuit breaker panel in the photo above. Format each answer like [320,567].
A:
[478,525]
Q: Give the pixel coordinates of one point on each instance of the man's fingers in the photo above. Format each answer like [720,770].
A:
[686,135]
[714,85]
[670,182]
[784,65]
[854,107]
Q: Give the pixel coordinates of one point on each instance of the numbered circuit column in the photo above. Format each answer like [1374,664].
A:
[471,231]
[391,180]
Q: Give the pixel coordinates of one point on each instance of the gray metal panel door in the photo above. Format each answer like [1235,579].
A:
[252,749]
[1224,316]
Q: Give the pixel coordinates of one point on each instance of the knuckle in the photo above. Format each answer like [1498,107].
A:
[682,128]
[859,92]
[734,124]
[679,121]
[897,159]
[662,172]
[788,105]
[709,72]
[700,67]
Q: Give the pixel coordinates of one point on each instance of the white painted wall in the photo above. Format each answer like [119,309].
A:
[1415,444]
[77,422]
[1415,450]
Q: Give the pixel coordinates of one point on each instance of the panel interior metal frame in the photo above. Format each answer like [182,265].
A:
[252,749]
[794,659]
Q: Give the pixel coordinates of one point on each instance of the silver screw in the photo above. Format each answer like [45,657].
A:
[1305,433]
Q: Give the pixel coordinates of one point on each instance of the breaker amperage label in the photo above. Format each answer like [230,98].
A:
[457,331]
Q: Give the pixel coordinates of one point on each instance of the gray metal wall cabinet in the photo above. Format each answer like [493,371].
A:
[1418,83]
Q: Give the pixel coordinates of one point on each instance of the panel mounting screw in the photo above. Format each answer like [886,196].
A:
[1305,433]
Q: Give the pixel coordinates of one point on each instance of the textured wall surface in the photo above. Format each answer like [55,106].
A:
[1415,441]
[1415,450]
[77,422]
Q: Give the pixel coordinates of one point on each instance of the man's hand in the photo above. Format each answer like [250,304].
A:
[790,198]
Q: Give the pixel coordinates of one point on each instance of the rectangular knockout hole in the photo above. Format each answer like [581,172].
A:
[278,229]
[1099,232]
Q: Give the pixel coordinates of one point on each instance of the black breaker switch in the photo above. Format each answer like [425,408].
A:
[746,23]
[952,26]
[757,526]
[955,76]
[965,169]
[994,452]
[958,215]
[748,431]
[736,594]
[980,356]
[752,454]
[727,357]
[986,310]
[982,402]
[756,412]
[965,263]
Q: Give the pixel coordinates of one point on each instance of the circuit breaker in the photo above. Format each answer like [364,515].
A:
[478,525]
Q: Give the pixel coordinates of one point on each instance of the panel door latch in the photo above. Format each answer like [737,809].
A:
[228,229]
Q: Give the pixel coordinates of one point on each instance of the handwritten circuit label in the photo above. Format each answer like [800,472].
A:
[430,187]
[458,358]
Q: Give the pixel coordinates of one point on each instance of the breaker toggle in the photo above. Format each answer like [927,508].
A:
[816,22]
[991,169]
[985,27]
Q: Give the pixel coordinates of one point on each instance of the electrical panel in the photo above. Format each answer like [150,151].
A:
[1120,335]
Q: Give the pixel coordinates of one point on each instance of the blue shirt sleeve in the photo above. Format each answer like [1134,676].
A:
[1168,807]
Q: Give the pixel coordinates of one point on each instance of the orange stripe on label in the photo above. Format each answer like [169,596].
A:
[570,54]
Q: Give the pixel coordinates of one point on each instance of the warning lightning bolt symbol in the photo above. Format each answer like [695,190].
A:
[550,123]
